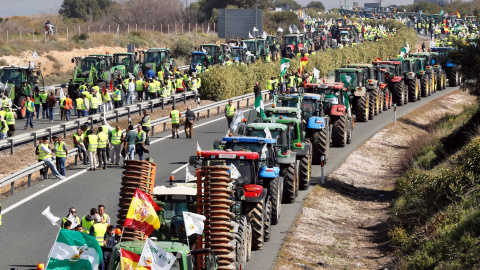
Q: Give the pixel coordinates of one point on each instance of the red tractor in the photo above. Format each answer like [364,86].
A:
[389,74]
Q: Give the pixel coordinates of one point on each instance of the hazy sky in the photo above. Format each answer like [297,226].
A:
[32,7]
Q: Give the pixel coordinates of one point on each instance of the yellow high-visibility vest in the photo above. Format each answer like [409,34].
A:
[42,154]
[116,137]
[175,116]
[92,143]
[230,110]
[59,152]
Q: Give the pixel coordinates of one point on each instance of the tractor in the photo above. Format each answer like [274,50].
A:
[157,59]
[354,79]
[422,82]
[240,55]
[449,68]
[434,69]
[320,40]
[391,81]
[199,62]
[252,49]
[214,53]
[288,99]
[292,45]
[125,64]
[93,70]
[13,77]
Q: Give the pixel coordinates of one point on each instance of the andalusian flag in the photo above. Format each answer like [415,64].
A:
[441,13]
[259,106]
[142,213]
[284,63]
[74,251]
[303,63]
[129,261]
[457,13]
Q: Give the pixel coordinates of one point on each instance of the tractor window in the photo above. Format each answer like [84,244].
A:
[291,40]
[406,66]
[294,133]
[293,103]
[418,65]
[245,146]
[209,49]
[198,58]
[348,78]
[122,60]
[278,114]
[87,64]
[236,53]
[308,107]
[152,57]
[11,75]
[244,168]
[276,134]
[250,46]
[173,217]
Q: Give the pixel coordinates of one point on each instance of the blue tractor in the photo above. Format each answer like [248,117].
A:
[199,62]
[448,66]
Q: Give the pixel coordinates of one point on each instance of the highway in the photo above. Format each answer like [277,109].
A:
[26,235]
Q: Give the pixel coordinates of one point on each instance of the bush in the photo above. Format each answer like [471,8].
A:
[81,37]
[3,62]
[182,48]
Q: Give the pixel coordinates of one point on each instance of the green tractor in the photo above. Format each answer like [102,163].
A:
[290,112]
[13,77]
[91,70]
[213,53]
[354,79]
[437,76]
[125,64]
[157,59]
[286,99]
[423,88]
[253,50]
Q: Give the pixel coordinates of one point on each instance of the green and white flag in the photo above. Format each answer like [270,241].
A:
[441,13]
[74,251]
[259,105]
[284,63]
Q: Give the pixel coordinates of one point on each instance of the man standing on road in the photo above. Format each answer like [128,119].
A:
[117,96]
[3,128]
[131,90]
[150,74]
[44,154]
[78,143]
[115,138]
[175,117]
[81,106]
[10,119]
[61,103]
[72,212]
[101,212]
[43,99]
[30,112]
[6,103]
[189,119]
[88,220]
[107,98]
[67,106]
[51,102]
[61,151]
[230,112]
[92,149]
[94,103]
[257,90]
[102,148]
[139,88]
[37,102]
[140,142]
[146,125]
[130,139]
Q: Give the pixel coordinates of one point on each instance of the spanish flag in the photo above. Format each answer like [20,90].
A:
[457,13]
[142,213]
[129,261]
[303,63]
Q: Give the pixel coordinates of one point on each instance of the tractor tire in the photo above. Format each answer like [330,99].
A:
[305,172]
[289,185]
[297,176]
[444,80]
[242,238]
[339,131]
[412,90]
[372,105]
[248,248]
[349,130]
[268,222]
[439,80]
[276,198]
[361,105]
[320,145]
[399,93]
[256,217]
[432,82]
[22,110]
[424,85]
[381,102]
[386,97]
[452,79]
[405,87]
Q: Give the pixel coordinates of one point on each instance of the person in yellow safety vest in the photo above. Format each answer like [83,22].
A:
[30,112]
[290,83]
[94,103]
[158,87]
[146,125]
[139,88]
[43,99]
[73,213]
[61,151]
[268,59]
[269,86]
[37,102]
[82,87]
[88,220]
[101,213]
[78,143]
[199,82]
[102,148]
[169,87]
[92,149]
[96,93]
[193,84]
[152,89]
[6,103]
[230,112]
[175,117]
[160,75]
[140,142]
[62,106]
[179,85]
[3,129]
[99,229]
[117,97]
[81,108]
[10,120]
[44,154]
[116,138]
[107,98]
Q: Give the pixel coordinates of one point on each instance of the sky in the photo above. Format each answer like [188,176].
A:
[34,7]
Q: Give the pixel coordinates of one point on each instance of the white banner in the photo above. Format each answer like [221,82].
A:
[193,223]
[156,257]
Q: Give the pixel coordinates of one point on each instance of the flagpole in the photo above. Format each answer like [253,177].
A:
[50,253]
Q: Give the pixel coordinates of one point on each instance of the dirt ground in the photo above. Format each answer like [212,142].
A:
[344,224]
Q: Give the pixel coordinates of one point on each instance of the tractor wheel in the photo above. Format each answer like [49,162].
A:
[276,198]
[256,217]
[22,110]
[339,131]
[289,185]
[372,108]
[444,80]
[452,79]
[305,166]
[381,102]
[362,107]
[320,145]
[236,254]
[297,176]
[439,80]
[248,248]
[433,81]
[406,93]
[349,130]
[430,84]
[398,93]
[424,85]
[412,90]
[242,238]
[386,97]
[268,221]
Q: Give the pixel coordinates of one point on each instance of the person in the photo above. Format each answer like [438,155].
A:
[72,212]
[37,101]
[92,149]
[83,88]
[117,97]
[110,242]
[78,143]
[44,154]
[130,139]
[6,103]
[123,92]
[61,152]
[98,95]
[10,119]
[423,46]
[140,142]
[257,90]
[79,228]
[51,101]
[175,117]
[230,112]
[94,103]
[107,98]
[49,28]
[81,106]
[270,86]
[131,90]
[30,112]
[115,139]
[62,108]
[101,212]
[87,220]
[179,85]
[150,74]
[43,99]
[67,224]
[67,106]
[139,88]
[102,149]
[189,119]
[146,125]
[152,89]
[3,128]
[99,229]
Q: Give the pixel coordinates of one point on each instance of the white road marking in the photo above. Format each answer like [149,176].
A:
[177,170]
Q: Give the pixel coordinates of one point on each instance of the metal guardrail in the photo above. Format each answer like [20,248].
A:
[27,172]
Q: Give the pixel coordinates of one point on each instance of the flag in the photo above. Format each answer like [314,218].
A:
[198,148]
[263,156]
[268,134]
[316,73]
[193,223]
[290,29]
[237,121]
[457,13]
[264,35]
[188,175]
[129,261]
[255,29]
[284,63]
[73,220]
[407,47]
[249,35]
[441,12]
[155,257]
[35,55]
[303,63]
[74,251]
[259,105]
[234,173]
[142,213]
[280,30]
[50,216]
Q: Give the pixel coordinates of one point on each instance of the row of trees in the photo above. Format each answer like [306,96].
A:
[464,8]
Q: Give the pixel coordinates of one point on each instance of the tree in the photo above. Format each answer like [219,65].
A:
[208,7]
[316,5]
[291,4]
[86,10]
[467,60]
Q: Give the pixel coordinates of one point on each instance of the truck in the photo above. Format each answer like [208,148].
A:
[14,76]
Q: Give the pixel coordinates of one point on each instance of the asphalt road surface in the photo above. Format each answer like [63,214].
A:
[26,236]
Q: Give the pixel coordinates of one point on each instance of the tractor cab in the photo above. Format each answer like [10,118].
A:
[291,100]
[125,63]
[157,59]
[199,62]
[239,54]
[214,53]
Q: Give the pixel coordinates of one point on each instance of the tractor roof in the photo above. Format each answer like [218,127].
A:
[327,85]
[124,53]
[237,47]
[282,109]
[386,62]
[137,246]
[249,40]
[348,70]
[158,49]
[15,67]
[437,49]
[270,126]
[423,53]
[312,96]
[175,190]
[258,140]
[199,53]
[357,65]
[284,120]
[288,96]
[229,155]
